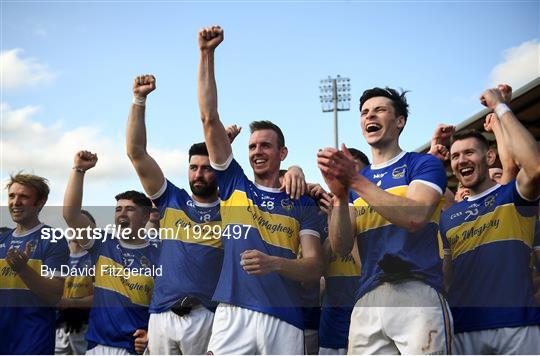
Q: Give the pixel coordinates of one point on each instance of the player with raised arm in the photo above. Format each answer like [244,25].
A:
[397,201]
[490,241]
[125,266]
[74,307]
[28,296]
[259,285]
[181,312]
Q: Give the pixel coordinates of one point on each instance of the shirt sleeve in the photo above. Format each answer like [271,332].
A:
[164,197]
[311,222]
[56,255]
[230,176]
[429,171]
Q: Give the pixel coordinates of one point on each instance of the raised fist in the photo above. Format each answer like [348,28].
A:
[143,85]
[210,37]
[491,98]
[85,160]
[506,91]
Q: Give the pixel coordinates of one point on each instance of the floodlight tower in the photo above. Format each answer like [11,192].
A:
[335,96]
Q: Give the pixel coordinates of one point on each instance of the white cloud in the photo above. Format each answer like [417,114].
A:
[18,72]
[48,150]
[521,64]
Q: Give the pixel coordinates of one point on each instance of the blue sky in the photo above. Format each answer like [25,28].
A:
[67,71]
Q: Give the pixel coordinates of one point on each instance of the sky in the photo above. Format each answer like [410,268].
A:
[67,69]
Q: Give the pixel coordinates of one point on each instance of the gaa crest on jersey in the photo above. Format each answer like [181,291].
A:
[399,172]
[286,204]
[145,263]
[32,244]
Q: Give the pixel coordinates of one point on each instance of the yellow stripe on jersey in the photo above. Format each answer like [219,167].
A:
[502,224]
[78,286]
[275,229]
[176,225]
[342,266]
[11,280]
[109,276]
[367,218]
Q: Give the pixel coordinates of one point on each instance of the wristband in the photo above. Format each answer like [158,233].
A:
[501,109]
[139,101]
[80,170]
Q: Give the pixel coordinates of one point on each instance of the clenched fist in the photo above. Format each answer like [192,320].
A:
[85,160]
[143,85]
[210,38]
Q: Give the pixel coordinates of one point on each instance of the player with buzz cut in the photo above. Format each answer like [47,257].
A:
[27,295]
[397,202]
[263,230]
[125,266]
[491,237]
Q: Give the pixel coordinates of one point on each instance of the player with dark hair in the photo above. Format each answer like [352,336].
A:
[181,312]
[259,287]
[397,202]
[74,306]
[28,296]
[125,265]
[490,240]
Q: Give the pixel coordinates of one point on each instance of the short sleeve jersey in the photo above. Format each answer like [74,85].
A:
[27,324]
[419,253]
[490,237]
[121,299]
[265,219]
[192,253]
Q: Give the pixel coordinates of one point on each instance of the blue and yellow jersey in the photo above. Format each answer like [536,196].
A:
[264,219]
[490,236]
[380,241]
[342,276]
[79,283]
[192,253]
[27,323]
[121,297]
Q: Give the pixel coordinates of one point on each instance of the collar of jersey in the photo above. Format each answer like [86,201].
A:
[389,162]
[267,189]
[132,246]
[206,205]
[78,254]
[484,193]
[31,231]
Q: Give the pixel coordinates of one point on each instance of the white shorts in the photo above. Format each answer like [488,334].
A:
[169,333]
[242,331]
[72,343]
[407,317]
[107,350]
[327,351]
[524,340]
[311,341]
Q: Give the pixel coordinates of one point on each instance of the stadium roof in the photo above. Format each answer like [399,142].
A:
[525,105]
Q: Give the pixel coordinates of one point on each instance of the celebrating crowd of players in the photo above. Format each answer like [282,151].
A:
[408,267]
